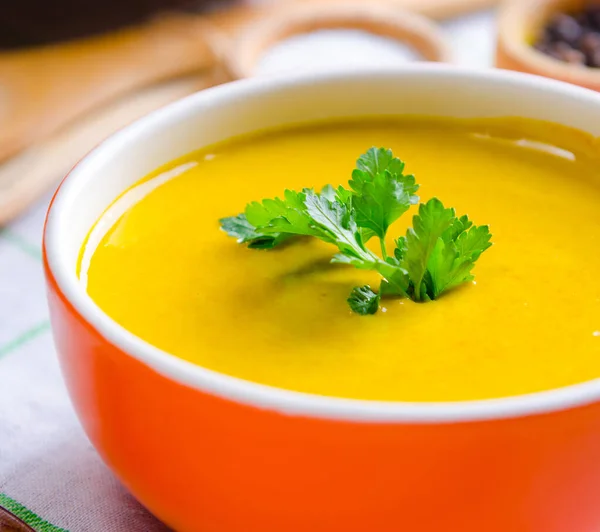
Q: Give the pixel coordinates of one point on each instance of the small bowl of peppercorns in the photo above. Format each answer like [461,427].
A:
[553,38]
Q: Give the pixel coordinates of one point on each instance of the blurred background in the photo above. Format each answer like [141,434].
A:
[74,71]
[36,22]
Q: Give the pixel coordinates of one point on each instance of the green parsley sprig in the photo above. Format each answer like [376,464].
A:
[437,253]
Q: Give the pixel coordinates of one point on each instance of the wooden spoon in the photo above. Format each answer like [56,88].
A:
[25,177]
[44,89]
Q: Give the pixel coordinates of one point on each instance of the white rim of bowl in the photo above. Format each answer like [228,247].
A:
[268,397]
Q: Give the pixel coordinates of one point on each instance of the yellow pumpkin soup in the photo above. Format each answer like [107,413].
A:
[528,321]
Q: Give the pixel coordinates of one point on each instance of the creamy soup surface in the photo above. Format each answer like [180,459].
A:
[530,321]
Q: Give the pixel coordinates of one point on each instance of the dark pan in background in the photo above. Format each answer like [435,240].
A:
[33,22]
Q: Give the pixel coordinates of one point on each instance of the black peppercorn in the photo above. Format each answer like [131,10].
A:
[564,28]
[590,42]
[573,37]
[593,14]
[593,60]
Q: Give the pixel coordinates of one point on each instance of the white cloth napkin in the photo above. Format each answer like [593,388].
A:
[50,476]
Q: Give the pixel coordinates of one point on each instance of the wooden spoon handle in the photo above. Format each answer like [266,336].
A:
[43,89]
[26,176]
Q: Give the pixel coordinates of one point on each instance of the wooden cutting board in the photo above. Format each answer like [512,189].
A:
[11,523]
[57,102]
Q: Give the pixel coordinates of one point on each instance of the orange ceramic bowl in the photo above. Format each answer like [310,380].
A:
[212,453]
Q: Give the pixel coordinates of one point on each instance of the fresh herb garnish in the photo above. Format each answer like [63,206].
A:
[363,300]
[437,253]
[240,228]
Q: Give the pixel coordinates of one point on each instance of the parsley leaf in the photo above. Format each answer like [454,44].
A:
[287,215]
[381,192]
[338,222]
[452,260]
[437,253]
[440,250]
[239,227]
[363,300]
[309,213]
[377,160]
[428,226]
[380,203]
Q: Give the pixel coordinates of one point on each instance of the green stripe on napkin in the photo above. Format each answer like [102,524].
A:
[27,516]
[21,243]
[28,335]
